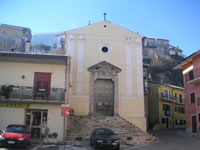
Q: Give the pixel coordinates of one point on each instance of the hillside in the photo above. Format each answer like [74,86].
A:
[161,69]
[44,38]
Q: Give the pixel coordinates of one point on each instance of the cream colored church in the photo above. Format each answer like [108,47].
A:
[106,72]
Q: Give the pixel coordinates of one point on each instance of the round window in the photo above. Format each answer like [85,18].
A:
[104,49]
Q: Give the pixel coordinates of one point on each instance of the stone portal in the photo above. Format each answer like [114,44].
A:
[104,99]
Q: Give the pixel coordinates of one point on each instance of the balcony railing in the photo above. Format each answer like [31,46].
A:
[165,96]
[171,98]
[24,93]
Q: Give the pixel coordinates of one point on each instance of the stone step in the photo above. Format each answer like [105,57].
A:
[84,125]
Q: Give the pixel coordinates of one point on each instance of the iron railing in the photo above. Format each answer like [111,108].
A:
[27,93]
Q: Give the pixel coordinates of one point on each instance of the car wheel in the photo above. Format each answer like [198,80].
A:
[95,146]
[117,148]
[91,143]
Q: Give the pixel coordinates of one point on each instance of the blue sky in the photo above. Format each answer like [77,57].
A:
[175,20]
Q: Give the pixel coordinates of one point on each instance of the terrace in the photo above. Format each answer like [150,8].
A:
[29,95]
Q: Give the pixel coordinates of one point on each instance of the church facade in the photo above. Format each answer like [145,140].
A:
[106,72]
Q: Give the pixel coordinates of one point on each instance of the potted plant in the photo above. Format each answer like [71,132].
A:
[130,140]
[5,91]
[45,133]
[52,138]
[71,112]
[55,135]
[79,141]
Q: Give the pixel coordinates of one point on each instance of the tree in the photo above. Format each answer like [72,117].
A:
[42,48]
[54,46]
[161,68]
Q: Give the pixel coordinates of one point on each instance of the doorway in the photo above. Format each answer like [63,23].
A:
[104,97]
[35,120]
[167,123]
[42,84]
[194,124]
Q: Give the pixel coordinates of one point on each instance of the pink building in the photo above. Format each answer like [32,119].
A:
[191,73]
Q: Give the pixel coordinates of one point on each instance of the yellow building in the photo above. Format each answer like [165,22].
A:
[165,106]
[107,72]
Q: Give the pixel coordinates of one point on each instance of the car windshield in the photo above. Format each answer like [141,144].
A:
[15,129]
[104,132]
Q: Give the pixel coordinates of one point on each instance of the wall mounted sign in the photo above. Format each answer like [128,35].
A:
[14,105]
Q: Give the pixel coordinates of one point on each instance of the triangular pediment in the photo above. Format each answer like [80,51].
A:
[101,26]
[104,66]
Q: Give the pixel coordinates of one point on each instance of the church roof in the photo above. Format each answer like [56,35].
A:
[104,21]
[104,66]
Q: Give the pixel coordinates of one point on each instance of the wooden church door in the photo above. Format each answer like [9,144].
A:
[104,97]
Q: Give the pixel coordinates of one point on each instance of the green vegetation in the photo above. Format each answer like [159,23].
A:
[161,69]
[41,48]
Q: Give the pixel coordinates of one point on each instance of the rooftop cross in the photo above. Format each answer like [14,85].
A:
[104,15]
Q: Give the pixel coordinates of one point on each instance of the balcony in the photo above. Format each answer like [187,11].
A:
[27,94]
[166,97]
[196,77]
[171,98]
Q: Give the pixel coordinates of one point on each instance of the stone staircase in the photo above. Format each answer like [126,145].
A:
[82,126]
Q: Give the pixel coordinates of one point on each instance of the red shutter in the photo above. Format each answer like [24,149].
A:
[42,81]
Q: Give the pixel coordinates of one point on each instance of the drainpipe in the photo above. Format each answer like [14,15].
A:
[67,79]
[67,86]
[173,109]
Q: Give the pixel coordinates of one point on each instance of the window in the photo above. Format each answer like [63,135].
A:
[179,109]
[170,97]
[191,76]
[181,122]
[175,96]
[15,36]
[175,109]
[199,117]
[184,122]
[192,98]
[104,49]
[176,122]
[4,35]
[166,107]
[198,101]
[165,94]
[180,98]
[182,110]
[163,120]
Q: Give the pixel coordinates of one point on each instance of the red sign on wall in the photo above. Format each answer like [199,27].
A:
[65,110]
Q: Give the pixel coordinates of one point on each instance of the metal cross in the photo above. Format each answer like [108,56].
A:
[104,15]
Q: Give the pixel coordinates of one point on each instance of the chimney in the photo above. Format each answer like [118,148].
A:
[28,46]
